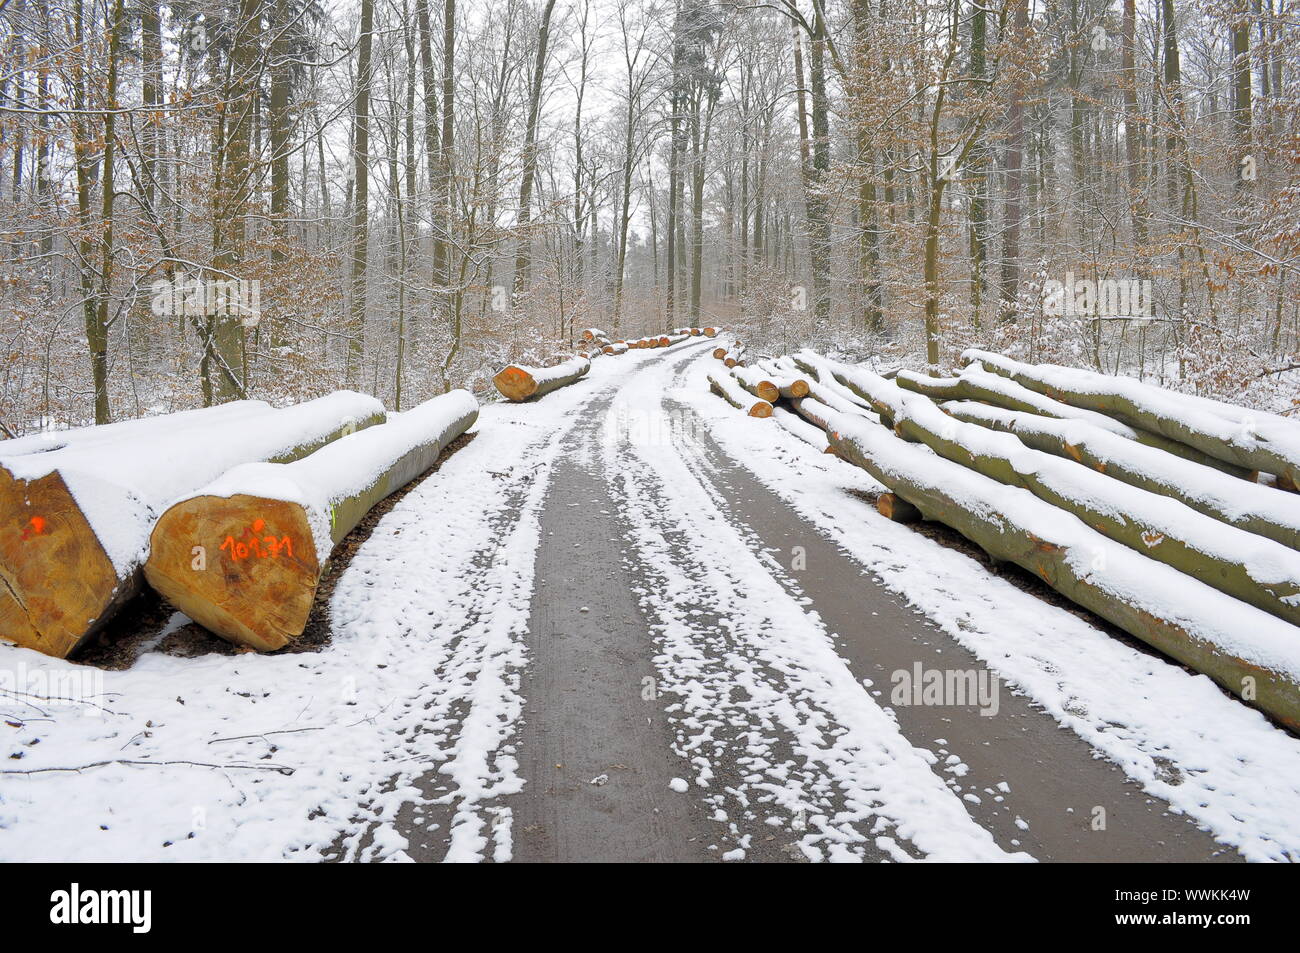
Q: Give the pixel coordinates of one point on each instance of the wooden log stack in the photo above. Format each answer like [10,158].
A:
[79,517]
[265,531]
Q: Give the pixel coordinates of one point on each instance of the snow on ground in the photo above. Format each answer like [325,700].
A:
[1233,772]
[257,757]
[757,675]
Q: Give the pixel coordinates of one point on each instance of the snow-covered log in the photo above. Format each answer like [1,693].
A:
[518,382]
[1253,507]
[1249,439]
[1250,653]
[618,347]
[710,332]
[815,411]
[81,516]
[976,383]
[814,436]
[757,383]
[725,386]
[719,353]
[594,334]
[823,386]
[265,531]
[157,427]
[1256,570]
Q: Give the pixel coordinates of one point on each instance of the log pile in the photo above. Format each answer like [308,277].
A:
[1249,440]
[266,530]
[1105,508]
[518,382]
[80,516]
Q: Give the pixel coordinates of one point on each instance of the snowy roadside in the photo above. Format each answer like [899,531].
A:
[257,757]
[1176,734]
[757,675]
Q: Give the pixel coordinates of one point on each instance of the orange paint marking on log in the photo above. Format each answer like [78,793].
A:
[35,527]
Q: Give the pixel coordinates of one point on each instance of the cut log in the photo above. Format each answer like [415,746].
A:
[79,518]
[893,507]
[619,347]
[1250,653]
[812,435]
[266,530]
[757,384]
[720,353]
[519,383]
[823,386]
[783,373]
[592,334]
[975,383]
[1253,507]
[157,427]
[725,386]
[1256,570]
[710,332]
[1251,440]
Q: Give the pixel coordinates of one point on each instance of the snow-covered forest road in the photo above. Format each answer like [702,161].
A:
[628,623]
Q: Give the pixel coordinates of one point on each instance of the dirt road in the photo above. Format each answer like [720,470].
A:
[646,667]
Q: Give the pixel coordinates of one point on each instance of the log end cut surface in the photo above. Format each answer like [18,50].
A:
[56,580]
[253,581]
[515,383]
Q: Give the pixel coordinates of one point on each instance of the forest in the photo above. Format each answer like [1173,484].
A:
[208,200]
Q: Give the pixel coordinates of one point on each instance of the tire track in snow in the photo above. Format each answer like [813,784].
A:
[777,732]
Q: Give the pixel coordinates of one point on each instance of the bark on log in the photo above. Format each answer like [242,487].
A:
[1244,438]
[975,383]
[757,384]
[1248,652]
[726,387]
[814,436]
[519,383]
[1254,569]
[267,530]
[80,518]
[1255,508]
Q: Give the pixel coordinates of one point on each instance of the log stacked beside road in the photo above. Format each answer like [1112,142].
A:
[1184,555]
[519,382]
[80,517]
[244,555]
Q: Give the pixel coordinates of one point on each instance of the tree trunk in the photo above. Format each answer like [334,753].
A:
[523,254]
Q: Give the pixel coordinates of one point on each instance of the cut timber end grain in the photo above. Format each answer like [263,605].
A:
[519,383]
[720,353]
[255,590]
[56,581]
[710,332]
[894,507]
